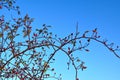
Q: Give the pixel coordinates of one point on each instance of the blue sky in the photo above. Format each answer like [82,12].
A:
[63,16]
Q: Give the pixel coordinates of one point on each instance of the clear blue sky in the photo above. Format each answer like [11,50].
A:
[63,16]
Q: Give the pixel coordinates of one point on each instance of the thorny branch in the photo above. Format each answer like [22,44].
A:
[31,57]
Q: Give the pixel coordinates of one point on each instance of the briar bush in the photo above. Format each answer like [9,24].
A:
[28,55]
